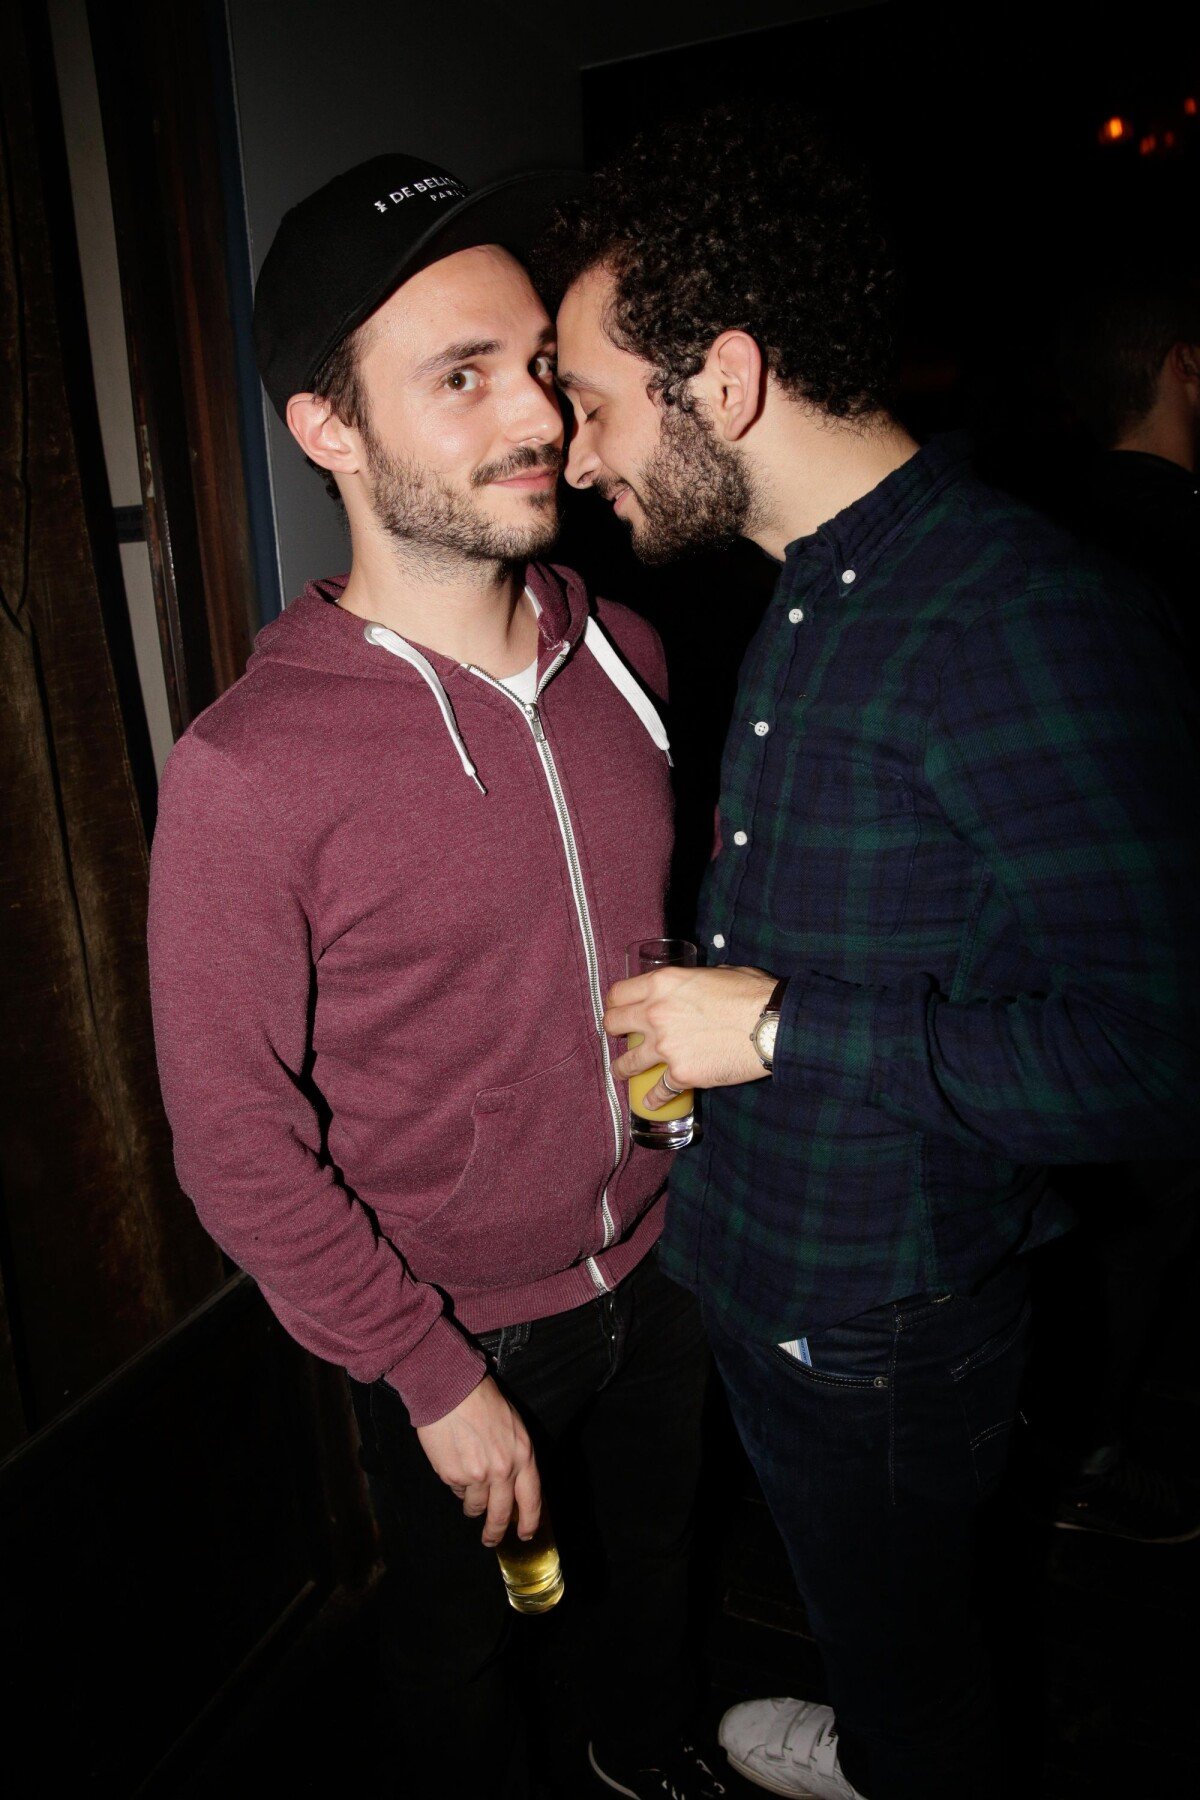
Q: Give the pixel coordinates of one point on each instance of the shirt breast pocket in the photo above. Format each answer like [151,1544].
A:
[845,843]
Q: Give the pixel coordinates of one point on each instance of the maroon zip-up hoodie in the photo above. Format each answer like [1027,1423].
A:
[386,897]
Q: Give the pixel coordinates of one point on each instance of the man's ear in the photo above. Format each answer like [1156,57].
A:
[1185,359]
[322,436]
[732,384]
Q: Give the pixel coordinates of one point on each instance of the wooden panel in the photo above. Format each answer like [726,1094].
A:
[99,1252]
[155,1535]
[156,68]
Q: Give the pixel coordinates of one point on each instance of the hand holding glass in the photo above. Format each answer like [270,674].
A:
[673,1125]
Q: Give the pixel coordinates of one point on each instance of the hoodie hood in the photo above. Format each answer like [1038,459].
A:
[315,634]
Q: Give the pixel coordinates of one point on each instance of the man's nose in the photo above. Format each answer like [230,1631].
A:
[539,420]
[582,462]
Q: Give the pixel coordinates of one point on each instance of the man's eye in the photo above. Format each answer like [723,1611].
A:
[589,416]
[462,381]
[544,367]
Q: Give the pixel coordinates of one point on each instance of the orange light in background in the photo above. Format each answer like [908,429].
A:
[1113,130]
[1189,106]
[1168,140]
[1147,145]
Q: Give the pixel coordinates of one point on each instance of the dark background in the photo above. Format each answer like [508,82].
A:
[981,130]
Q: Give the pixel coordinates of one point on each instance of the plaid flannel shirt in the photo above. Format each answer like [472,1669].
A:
[958,810]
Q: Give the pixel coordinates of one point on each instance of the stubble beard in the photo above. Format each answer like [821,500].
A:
[694,493]
[444,527]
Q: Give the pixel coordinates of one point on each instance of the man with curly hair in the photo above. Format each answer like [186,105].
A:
[947,916]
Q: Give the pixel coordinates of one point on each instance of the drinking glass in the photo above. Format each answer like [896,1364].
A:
[673,1125]
[532,1572]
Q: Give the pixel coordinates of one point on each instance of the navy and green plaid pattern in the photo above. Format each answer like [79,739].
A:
[958,808]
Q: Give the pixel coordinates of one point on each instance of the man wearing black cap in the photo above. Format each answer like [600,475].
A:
[393,876]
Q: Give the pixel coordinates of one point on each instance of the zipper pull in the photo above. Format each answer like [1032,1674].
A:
[535,723]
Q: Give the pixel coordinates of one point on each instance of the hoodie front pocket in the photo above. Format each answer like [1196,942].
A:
[527,1201]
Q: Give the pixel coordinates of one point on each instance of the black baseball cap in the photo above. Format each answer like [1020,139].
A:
[342,251]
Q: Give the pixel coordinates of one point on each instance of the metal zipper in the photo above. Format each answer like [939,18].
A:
[533,719]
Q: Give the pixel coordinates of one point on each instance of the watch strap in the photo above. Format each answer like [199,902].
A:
[770,1013]
[775,1003]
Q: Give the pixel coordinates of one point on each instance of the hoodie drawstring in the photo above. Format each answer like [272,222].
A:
[391,640]
[594,639]
[627,685]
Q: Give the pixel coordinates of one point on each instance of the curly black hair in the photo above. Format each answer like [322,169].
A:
[738,220]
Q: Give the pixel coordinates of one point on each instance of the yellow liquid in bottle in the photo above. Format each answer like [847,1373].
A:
[640,1085]
[532,1571]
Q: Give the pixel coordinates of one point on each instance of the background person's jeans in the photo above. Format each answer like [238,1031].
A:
[874,1462]
[612,1393]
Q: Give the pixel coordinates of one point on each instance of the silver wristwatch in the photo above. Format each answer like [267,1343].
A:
[763,1035]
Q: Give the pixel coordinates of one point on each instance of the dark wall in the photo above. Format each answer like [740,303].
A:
[981,129]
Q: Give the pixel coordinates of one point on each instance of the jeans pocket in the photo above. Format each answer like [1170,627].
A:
[856,1355]
[988,1382]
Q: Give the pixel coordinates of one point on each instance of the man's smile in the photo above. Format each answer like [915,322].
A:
[613,490]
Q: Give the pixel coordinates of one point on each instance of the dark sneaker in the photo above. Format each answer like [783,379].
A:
[1132,1501]
[683,1774]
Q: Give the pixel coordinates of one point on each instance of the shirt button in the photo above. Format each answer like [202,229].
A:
[848,575]
[761,728]
[741,837]
[719,939]
[796,614]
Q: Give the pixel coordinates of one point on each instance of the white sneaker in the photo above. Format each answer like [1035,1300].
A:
[786,1746]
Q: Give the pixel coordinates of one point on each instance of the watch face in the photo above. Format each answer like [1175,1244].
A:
[764,1037]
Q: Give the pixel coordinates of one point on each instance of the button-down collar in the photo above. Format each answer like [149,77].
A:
[853,539]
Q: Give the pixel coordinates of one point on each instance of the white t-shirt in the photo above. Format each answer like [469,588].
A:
[523,684]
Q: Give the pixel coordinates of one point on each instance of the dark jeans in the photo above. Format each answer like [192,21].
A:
[874,1463]
[612,1393]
